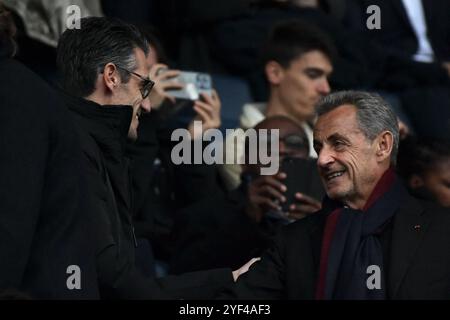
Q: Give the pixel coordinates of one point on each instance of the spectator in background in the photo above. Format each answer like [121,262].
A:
[414,37]
[160,187]
[229,37]
[297,64]
[45,215]
[425,167]
[40,24]
[225,230]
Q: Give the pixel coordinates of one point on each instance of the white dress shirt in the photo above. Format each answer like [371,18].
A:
[416,15]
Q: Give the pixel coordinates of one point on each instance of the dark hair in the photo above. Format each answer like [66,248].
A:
[83,53]
[291,39]
[7,32]
[374,114]
[419,155]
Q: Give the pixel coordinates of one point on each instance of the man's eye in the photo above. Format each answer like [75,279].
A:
[313,74]
[339,144]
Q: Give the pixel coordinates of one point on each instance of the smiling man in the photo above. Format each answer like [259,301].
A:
[104,69]
[371,239]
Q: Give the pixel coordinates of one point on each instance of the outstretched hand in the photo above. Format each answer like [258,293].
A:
[244,268]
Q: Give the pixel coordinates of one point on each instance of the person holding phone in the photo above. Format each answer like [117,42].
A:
[225,230]
[268,195]
[297,60]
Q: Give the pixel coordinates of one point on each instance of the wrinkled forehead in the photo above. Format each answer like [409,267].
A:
[342,120]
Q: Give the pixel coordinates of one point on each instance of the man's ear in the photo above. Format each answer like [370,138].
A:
[111,77]
[385,145]
[415,181]
[274,72]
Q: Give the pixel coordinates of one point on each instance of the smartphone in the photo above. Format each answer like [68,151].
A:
[195,83]
[301,176]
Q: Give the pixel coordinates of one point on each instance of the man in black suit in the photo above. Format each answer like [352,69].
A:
[371,240]
[403,23]
[414,35]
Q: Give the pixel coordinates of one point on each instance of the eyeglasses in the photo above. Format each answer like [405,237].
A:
[147,84]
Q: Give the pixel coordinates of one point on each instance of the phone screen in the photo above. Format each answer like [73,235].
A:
[195,83]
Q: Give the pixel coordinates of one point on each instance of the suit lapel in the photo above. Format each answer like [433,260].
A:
[408,231]
[429,10]
[401,10]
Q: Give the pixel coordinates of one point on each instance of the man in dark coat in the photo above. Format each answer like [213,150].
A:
[105,75]
[44,221]
[371,240]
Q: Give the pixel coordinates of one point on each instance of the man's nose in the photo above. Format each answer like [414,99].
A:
[325,158]
[324,87]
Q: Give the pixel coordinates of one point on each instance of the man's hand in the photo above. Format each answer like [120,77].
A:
[244,268]
[265,193]
[304,206]
[208,112]
[162,84]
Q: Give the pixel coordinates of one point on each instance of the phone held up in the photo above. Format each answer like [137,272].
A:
[194,83]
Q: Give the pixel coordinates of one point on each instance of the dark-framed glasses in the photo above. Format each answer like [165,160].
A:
[147,84]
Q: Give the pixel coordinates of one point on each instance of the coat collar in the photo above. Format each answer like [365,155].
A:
[409,225]
[107,124]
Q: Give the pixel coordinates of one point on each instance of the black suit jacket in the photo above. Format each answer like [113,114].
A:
[418,258]
[397,33]
[44,225]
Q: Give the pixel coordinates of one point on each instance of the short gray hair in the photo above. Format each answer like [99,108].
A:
[374,115]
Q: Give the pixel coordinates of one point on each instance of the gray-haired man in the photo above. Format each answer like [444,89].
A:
[371,240]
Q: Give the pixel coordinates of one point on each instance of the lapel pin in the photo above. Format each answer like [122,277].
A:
[417,227]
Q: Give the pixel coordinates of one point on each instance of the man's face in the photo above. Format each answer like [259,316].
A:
[437,181]
[293,142]
[130,93]
[347,160]
[303,83]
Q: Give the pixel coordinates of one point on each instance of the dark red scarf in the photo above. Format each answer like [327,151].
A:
[349,243]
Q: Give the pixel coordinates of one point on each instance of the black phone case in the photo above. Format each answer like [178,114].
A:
[303,177]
